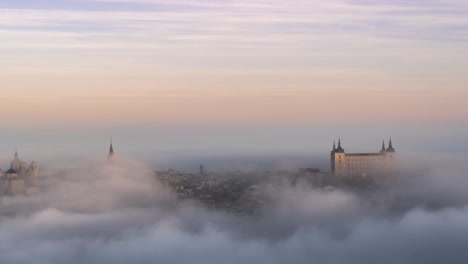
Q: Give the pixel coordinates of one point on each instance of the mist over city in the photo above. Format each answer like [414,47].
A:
[96,213]
[233,131]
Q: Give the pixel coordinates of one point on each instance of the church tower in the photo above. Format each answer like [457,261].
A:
[16,162]
[110,156]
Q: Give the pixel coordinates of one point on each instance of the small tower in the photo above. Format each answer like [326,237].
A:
[202,170]
[332,159]
[15,185]
[390,152]
[391,158]
[110,156]
[383,150]
[16,162]
[390,147]
[337,158]
[339,149]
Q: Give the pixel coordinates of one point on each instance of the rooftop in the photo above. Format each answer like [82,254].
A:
[364,154]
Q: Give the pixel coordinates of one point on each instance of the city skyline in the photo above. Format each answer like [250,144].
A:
[233,131]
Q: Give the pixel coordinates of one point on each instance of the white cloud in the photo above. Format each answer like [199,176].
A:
[101,214]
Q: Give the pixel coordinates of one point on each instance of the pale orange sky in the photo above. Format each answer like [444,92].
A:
[240,62]
[139,100]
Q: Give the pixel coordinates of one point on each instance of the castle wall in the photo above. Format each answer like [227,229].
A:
[362,164]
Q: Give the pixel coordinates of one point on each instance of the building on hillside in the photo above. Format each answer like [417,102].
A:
[363,164]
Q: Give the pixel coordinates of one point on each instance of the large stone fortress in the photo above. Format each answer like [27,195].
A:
[362,164]
[19,178]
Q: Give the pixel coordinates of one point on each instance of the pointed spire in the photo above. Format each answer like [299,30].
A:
[334,148]
[339,149]
[16,152]
[390,146]
[383,147]
[110,156]
[111,149]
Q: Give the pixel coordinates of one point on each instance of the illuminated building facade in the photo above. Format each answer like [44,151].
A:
[363,164]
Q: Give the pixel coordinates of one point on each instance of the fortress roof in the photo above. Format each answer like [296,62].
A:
[364,154]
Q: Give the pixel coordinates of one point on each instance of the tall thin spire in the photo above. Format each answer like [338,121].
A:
[383,147]
[111,149]
[110,156]
[16,162]
[334,145]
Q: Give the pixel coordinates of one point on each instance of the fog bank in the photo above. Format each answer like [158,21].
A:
[95,213]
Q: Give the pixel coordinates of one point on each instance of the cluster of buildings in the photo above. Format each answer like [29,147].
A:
[241,192]
[233,191]
[236,192]
[19,179]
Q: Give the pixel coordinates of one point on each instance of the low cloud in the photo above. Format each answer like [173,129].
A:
[120,214]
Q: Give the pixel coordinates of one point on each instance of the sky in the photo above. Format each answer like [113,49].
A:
[233,85]
[232,76]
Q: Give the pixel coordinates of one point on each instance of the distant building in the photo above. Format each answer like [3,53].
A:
[362,164]
[18,178]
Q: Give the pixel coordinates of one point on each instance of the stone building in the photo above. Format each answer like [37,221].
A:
[18,178]
[363,164]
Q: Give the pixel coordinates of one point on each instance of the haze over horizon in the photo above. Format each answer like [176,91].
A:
[209,78]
